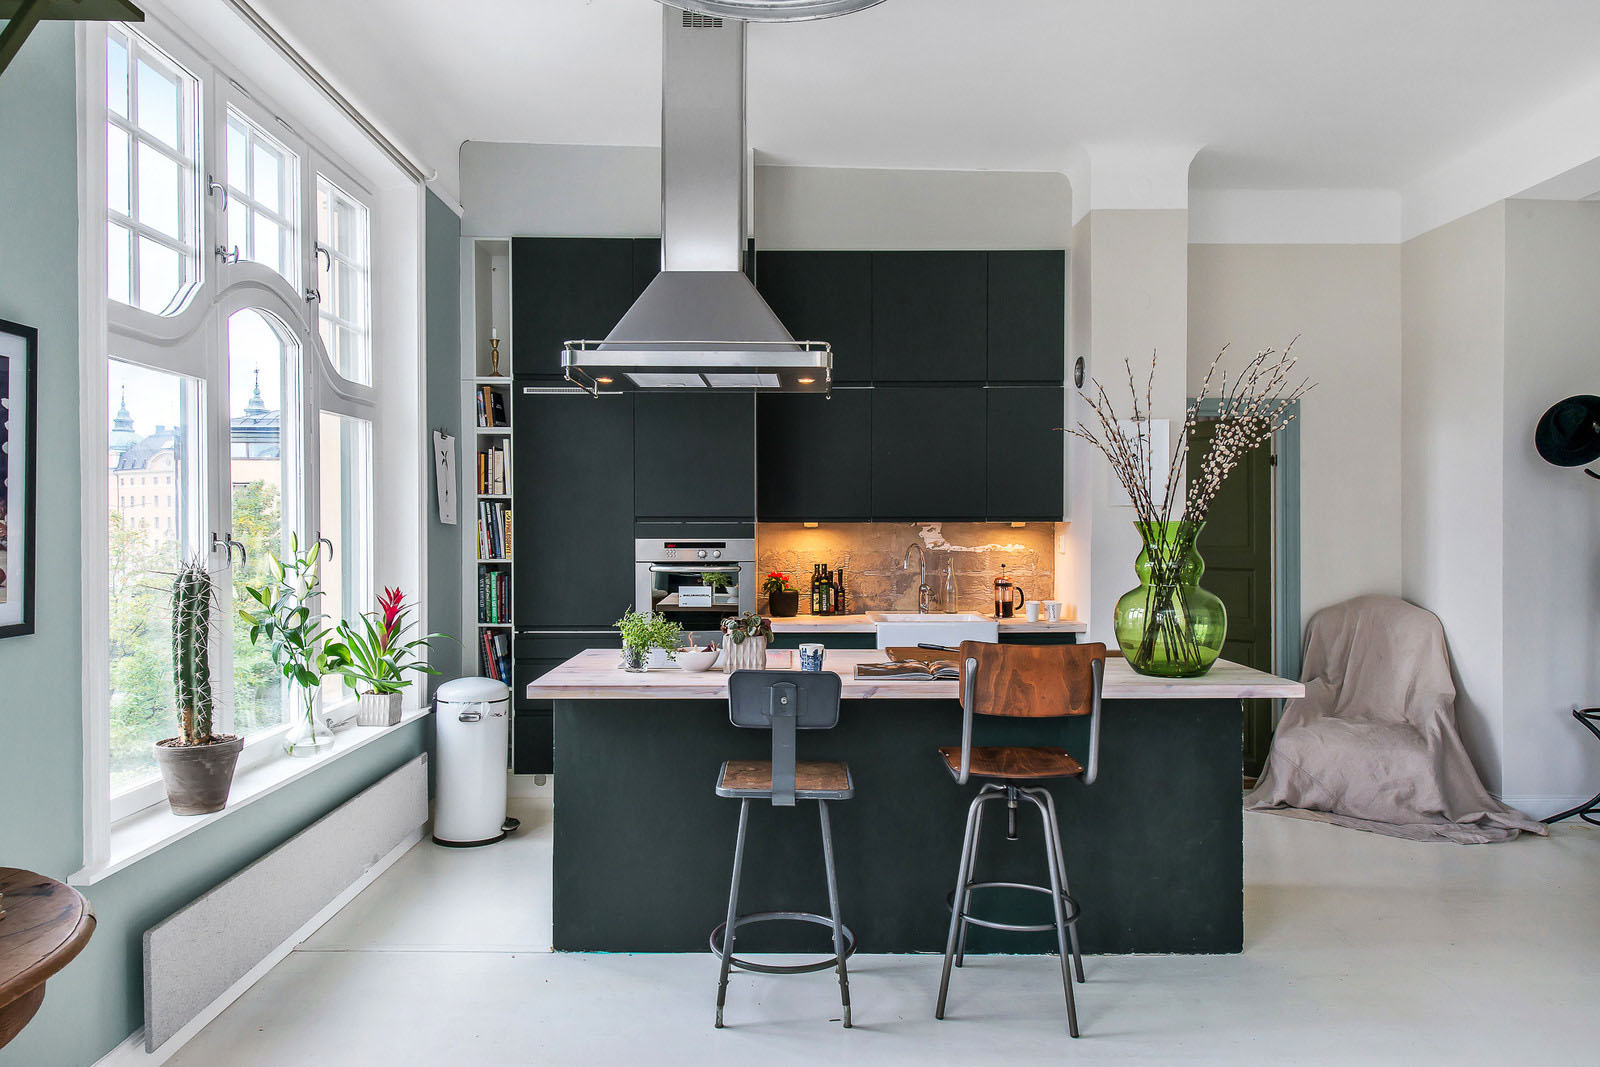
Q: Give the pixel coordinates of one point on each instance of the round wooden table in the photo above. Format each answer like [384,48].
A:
[46,923]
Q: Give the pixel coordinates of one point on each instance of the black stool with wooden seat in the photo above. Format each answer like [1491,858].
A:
[1021,681]
[783,702]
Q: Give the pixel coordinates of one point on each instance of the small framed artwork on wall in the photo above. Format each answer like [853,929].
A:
[19,391]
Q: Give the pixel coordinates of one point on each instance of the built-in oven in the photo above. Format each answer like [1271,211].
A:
[695,580]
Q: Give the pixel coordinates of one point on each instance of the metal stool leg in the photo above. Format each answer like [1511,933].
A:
[833,906]
[1066,887]
[733,908]
[1060,909]
[971,869]
[959,903]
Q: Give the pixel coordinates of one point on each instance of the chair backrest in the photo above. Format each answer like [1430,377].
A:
[1030,681]
[783,702]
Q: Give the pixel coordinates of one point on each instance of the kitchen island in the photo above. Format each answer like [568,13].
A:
[644,847]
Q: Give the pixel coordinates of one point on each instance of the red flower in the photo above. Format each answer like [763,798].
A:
[391,605]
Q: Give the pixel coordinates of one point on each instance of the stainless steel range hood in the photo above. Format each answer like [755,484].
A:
[701,324]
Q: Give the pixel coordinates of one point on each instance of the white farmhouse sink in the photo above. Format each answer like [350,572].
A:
[910,628]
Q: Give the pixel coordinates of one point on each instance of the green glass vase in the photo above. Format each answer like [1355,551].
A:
[1169,627]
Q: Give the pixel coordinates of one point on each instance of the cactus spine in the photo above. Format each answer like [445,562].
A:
[191,663]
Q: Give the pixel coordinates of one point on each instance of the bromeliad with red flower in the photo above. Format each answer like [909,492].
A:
[375,656]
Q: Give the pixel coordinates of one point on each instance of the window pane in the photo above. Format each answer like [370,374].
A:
[267,247]
[118,251]
[160,188]
[117,189]
[238,156]
[238,226]
[342,227]
[259,469]
[153,427]
[116,75]
[345,470]
[160,274]
[159,103]
[267,171]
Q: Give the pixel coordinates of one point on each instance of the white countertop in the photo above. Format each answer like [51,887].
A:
[596,675]
[863,624]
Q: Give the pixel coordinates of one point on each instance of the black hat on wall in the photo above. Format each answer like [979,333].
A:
[1569,433]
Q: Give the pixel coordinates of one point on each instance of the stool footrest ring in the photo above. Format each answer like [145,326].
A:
[1072,909]
[783,916]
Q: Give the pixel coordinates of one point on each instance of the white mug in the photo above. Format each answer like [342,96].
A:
[1032,610]
[811,657]
[1052,610]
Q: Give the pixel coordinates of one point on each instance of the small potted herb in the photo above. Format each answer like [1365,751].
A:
[744,642]
[782,598]
[644,634]
[375,657]
[197,765]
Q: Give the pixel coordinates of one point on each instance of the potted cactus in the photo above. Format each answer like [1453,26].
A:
[196,765]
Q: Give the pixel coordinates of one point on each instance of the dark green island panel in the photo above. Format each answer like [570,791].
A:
[644,847]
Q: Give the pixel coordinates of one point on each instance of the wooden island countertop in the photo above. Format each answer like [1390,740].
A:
[595,675]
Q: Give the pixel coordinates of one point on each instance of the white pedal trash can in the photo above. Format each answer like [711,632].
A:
[472,725]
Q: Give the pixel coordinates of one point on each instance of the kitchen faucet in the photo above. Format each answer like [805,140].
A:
[922,579]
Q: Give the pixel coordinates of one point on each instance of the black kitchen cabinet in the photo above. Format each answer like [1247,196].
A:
[1027,316]
[532,731]
[573,507]
[928,453]
[810,452]
[824,296]
[1024,453]
[564,289]
[929,315]
[694,456]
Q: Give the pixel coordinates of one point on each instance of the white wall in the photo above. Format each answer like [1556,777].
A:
[1344,303]
[1452,477]
[1552,515]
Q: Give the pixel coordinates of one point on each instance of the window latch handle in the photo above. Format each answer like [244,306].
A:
[228,255]
[326,256]
[227,544]
[324,541]
[313,293]
[218,189]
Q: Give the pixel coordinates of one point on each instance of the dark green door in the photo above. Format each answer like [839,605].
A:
[1237,546]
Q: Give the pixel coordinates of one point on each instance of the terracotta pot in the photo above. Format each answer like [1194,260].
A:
[378,709]
[198,777]
[785,603]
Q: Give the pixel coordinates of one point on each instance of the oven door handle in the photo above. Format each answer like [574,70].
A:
[660,568]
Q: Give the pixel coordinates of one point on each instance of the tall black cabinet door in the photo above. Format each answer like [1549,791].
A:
[573,518]
[929,311]
[1027,316]
[694,456]
[564,289]
[811,453]
[928,454]
[1025,451]
[824,296]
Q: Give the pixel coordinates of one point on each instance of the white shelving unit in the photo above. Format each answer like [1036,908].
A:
[486,307]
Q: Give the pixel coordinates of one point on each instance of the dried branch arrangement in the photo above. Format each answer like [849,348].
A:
[1257,403]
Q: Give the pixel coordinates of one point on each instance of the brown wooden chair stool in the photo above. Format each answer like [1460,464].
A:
[1021,681]
[783,702]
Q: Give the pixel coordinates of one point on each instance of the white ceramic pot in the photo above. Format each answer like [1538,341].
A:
[747,655]
[378,709]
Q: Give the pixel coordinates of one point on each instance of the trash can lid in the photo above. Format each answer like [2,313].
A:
[473,691]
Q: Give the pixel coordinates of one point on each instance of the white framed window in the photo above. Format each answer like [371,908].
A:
[262,182]
[152,175]
[344,252]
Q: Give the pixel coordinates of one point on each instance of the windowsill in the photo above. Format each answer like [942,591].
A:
[151,829]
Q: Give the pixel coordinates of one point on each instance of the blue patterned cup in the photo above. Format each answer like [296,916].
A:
[811,657]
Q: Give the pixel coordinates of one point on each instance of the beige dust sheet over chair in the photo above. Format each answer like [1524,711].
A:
[1373,744]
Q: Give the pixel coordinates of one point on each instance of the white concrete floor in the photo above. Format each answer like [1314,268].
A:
[1358,949]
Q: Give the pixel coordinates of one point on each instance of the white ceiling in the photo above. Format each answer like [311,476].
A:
[1283,94]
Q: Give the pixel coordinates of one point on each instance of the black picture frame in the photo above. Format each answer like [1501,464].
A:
[19,462]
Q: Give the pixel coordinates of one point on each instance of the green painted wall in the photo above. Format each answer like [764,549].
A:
[442,277]
[98,1000]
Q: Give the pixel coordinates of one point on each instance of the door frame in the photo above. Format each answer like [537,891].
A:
[1285,537]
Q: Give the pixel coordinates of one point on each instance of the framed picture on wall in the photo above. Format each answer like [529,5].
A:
[19,392]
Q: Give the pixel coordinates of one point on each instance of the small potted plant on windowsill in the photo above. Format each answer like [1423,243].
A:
[375,657]
[783,599]
[285,616]
[648,640]
[197,765]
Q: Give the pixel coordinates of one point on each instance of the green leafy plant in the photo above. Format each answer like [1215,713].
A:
[776,582]
[191,651]
[643,630]
[717,580]
[287,619]
[749,625]
[375,656]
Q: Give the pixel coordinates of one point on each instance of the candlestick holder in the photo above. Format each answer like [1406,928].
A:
[494,357]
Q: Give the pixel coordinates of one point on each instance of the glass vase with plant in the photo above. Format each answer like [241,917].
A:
[1168,626]
[643,631]
[286,617]
[375,656]
[782,598]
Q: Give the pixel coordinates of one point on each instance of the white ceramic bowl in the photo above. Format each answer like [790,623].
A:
[695,662]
